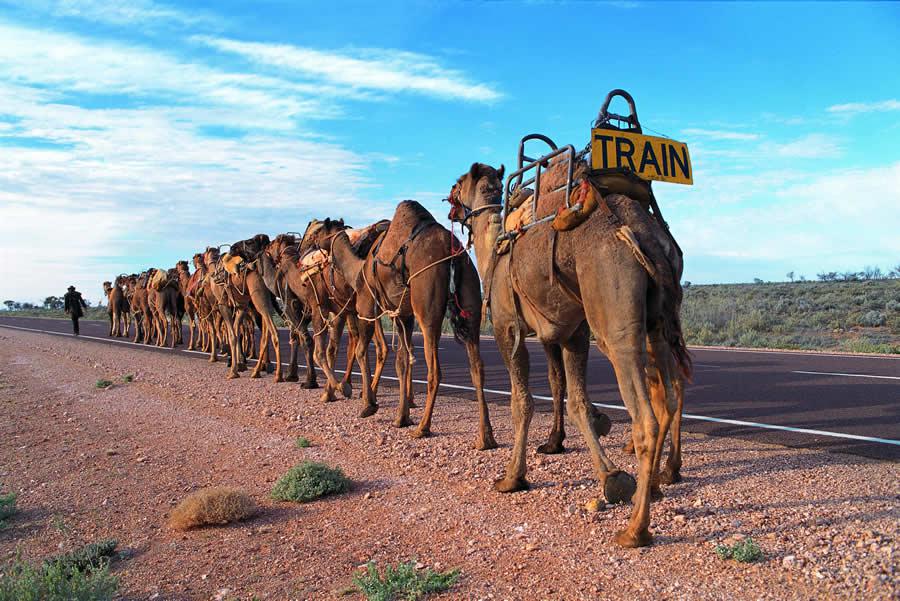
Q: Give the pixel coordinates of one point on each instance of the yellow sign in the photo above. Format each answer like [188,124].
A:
[649,157]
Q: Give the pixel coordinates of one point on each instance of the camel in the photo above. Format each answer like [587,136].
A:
[250,296]
[415,271]
[116,308]
[140,307]
[215,288]
[294,312]
[600,276]
[164,298]
[190,303]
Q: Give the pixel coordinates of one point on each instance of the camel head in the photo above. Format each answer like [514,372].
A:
[182,267]
[250,248]
[210,256]
[319,232]
[479,190]
[276,247]
[107,288]
[198,260]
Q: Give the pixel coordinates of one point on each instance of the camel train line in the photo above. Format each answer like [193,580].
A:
[568,249]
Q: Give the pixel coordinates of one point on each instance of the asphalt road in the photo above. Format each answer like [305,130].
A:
[828,402]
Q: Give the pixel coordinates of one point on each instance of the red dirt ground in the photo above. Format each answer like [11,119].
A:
[91,464]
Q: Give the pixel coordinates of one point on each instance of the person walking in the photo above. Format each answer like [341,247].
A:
[75,306]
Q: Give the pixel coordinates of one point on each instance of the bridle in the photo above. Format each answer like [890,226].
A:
[495,203]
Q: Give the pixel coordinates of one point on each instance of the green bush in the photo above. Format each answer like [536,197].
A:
[103,383]
[402,582]
[745,551]
[7,507]
[303,443]
[308,481]
[127,378]
[82,575]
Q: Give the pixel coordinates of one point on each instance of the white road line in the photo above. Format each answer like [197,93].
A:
[705,418]
[831,373]
[792,352]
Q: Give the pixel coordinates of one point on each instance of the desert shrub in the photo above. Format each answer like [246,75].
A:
[87,557]
[103,384]
[308,481]
[892,306]
[128,378]
[7,507]
[745,551]
[303,443]
[20,581]
[82,575]
[872,319]
[402,582]
[212,507]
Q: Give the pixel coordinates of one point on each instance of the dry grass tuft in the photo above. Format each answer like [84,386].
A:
[212,507]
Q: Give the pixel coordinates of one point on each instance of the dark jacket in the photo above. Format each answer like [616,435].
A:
[74,304]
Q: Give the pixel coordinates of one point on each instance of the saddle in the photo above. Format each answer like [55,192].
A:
[233,264]
[313,262]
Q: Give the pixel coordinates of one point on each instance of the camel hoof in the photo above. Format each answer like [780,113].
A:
[419,433]
[242,367]
[412,404]
[232,376]
[255,375]
[628,447]
[619,487]
[402,423]
[212,360]
[625,538]
[346,390]
[310,385]
[369,410]
[327,396]
[292,378]
[656,494]
[601,423]
[552,447]
[670,476]
[511,485]
[278,378]
[486,442]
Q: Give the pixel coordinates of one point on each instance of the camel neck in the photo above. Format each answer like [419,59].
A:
[345,260]
[484,235]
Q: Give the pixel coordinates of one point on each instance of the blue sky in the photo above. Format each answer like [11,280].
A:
[134,132]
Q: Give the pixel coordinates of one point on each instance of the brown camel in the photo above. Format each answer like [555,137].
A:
[563,285]
[216,286]
[114,298]
[251,298]
[167,304]
[416,270]
[121,302]
[190,303]
[140,308]
[329,301]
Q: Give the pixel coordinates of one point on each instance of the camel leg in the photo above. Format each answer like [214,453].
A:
[305,337]
[486,439]
[212,324]
[381,352]
[557,376]
[617,486]
[522,405]
[404,368]
[234,343]
[294,341]
[269,324]
[321,358]
[431,337]
[672,472]
[365,329]
[262,360]
[335,333]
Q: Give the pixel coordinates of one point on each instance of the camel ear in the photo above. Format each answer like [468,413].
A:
[501,171]
[342,221]
[474,170]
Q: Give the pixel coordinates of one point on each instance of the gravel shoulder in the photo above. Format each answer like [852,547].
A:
[91,464]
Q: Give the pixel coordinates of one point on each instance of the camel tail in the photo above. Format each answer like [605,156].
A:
[460,318]
[672,296]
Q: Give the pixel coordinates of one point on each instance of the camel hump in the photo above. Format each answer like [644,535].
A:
[410,211]
[409,220]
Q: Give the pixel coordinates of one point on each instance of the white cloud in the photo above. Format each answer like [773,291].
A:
[381,70]
[718,134]
[118,12]
[854,108]
[813,146]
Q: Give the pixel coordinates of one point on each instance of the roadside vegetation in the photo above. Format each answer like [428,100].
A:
[212,507]
[745,551]
[303,442]
[309,481]
[82,575]
[403,581]
[7,508]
